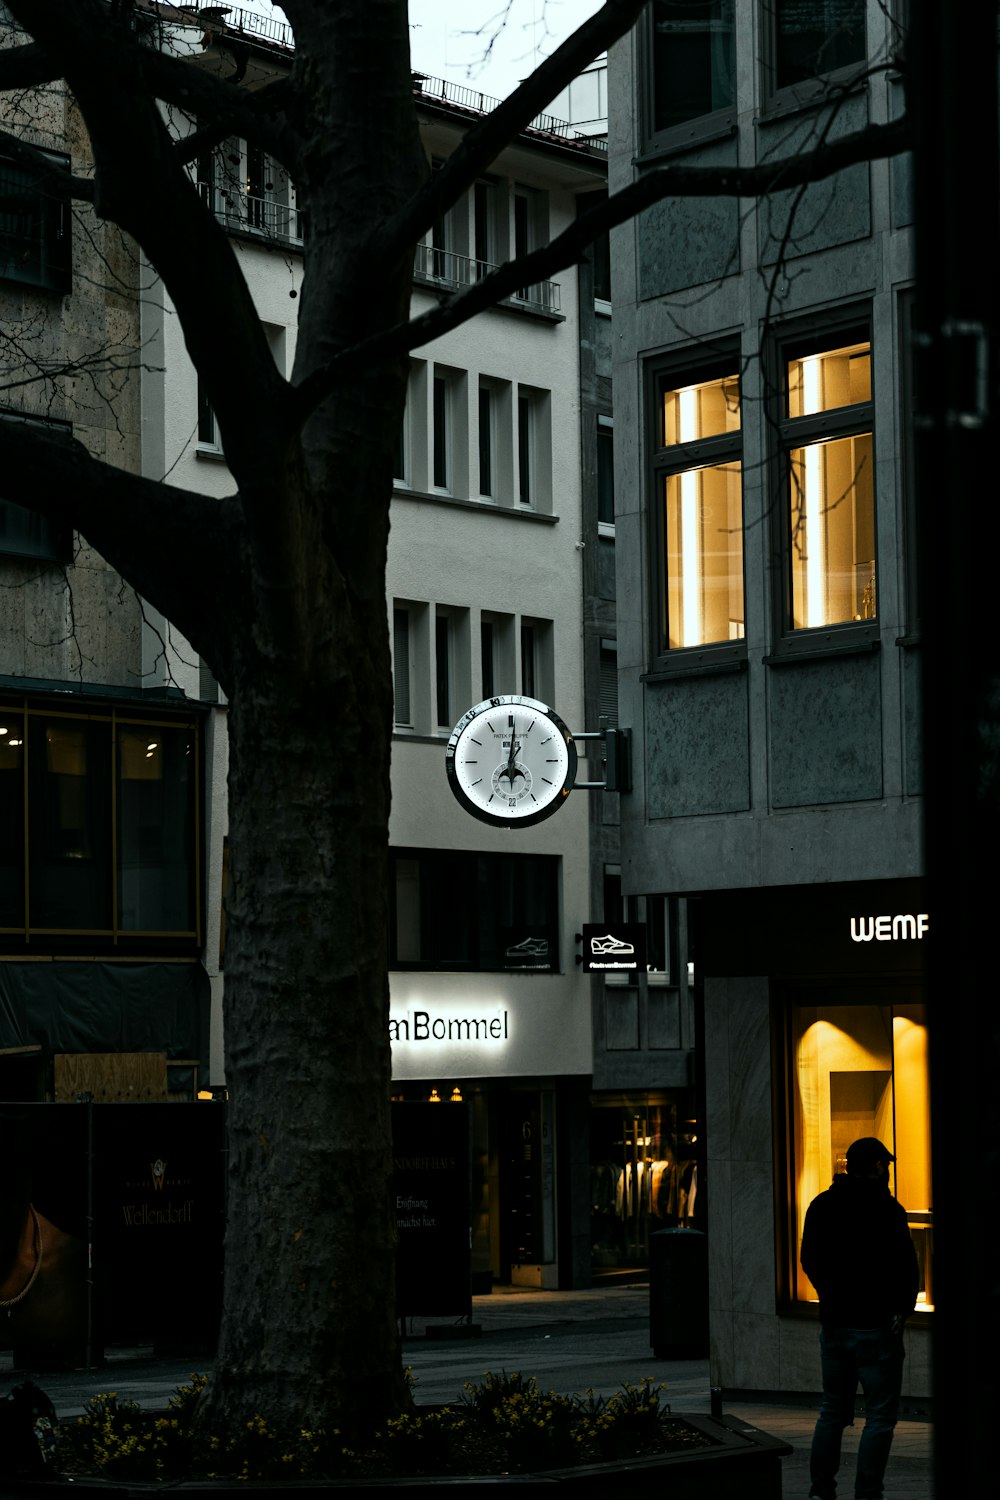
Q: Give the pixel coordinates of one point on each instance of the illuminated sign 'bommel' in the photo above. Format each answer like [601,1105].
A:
[889,929]
[421,1026]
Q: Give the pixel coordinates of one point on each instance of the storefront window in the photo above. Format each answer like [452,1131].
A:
[643,1175]
[861,1070]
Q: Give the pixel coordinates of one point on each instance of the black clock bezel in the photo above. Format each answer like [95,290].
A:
[558,799]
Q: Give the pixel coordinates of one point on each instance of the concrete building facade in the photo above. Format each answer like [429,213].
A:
[767,632]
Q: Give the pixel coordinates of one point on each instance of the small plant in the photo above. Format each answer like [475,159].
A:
[503,1424]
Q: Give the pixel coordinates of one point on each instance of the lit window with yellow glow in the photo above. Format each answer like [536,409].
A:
[861,1070]
[702,524]
[831,488]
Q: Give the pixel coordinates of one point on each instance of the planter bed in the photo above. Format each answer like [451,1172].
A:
[738,1462]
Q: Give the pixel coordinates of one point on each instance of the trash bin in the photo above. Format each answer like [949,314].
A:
[678,1294]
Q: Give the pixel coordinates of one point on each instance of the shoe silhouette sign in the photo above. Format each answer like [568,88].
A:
[616,947]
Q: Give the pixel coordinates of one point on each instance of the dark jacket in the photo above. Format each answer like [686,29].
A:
[857,1252]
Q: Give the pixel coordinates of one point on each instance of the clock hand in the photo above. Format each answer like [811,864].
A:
[514,748]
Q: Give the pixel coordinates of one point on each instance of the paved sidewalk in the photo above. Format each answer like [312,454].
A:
[908,1477]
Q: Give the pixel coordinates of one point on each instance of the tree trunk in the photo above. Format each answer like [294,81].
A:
[308,1331]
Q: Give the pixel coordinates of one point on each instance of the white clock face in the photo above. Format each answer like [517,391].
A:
[511,761]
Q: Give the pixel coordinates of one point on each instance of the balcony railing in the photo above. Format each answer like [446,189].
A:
[237,209]
[473,100]
[447,269]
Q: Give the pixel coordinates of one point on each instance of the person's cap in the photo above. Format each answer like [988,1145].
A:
[862,1155]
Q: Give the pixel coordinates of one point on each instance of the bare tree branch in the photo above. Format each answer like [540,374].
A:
[51,179]
[483,143]
[569,247]
[130,142]
[172,544]
[26,67]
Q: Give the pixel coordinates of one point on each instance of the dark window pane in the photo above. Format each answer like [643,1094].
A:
[25,534]
[486,641]
[524,438]
[485,440]
[816,36]
[528,660]
[693,60]
[442,650]
[34,226]
[460,910]
[207,432]
[156,832]
[440,432]
[401,665]
[483,210]
[70,828]
[11,819]
[605,475]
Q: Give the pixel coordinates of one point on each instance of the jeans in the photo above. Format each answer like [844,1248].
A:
[875,1357]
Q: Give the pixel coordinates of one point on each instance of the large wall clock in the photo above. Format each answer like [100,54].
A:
[511,761]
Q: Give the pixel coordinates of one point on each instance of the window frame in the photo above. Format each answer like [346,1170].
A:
[604,470]
[807,90]
[54,230]
[712,125]
[677,371]
[447,875]
[50,543]
[786,999]
[115,826]
[816,333]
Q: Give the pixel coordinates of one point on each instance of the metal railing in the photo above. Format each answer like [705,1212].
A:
[250,24]
[447,268]
[237,209]
[472,99]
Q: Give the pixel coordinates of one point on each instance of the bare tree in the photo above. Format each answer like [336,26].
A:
[281,588]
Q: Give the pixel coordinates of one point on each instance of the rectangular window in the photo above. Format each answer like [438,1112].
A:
[693,59]
[24,533]
[827,440]
[11,817]
[458,910]
[537,663]
[441,433]
[488,649]
[35,241]
[496,654]
[487,443]
[605,472]
[534,448]
[858,1070]
[443,647]
[813,37]
[531,232]
[156,828]
[700,513]
[208,431]
[104,826]
[525,454]
[484,227]
[528,663]
[401,667]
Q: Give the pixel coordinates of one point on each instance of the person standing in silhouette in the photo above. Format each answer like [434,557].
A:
[857,1252]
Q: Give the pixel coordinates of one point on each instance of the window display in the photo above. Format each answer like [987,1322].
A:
[643,1176]
[860,1070]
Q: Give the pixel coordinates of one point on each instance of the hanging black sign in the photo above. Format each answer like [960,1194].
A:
[614,948]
